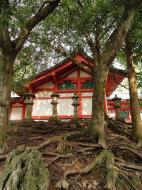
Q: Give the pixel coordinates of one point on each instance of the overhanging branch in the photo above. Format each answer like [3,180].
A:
[117,38]
[45,9]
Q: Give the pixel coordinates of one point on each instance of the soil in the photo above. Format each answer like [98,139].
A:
[71,149]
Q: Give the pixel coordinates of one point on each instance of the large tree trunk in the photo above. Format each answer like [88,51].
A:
[6,64]
[103,59]
[134,102]
[98,113]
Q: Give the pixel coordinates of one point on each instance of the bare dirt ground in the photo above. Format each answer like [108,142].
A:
[66,150]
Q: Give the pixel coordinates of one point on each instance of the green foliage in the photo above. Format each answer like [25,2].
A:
[135,36]
[5,12]
[67,27]
[71,22]
[13,16]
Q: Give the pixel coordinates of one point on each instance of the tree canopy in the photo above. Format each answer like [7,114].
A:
[74,26]
[17,19]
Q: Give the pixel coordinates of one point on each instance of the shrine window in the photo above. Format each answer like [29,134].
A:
[87,84]
[67,85]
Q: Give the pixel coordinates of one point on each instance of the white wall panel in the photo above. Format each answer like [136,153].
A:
[42,108]
[74,74]
[16,113]
[86,106]
[65,107]
[111,114]
[83,74]
[87,94]
[66,94]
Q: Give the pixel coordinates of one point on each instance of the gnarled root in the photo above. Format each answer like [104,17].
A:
[114,170]
[63,147]
[111,173]
[24,169]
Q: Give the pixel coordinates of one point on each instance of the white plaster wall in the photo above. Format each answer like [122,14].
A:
[43,94]
[65,107]
[16,113]
[87,94]
[86,106]
[83,74]
[111,114]
[42,108]
[66,94]
[74,74]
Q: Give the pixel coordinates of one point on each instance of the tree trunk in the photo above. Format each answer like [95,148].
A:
[98,113]
[134,102]
[6,64]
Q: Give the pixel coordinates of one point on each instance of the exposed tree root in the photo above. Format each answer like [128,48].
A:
[85,150]
[104,157]
[36,138]
[54,139]
[120,127]
[116,172]
[87,168]
[3,157]
[63,147]
[128,180]
[131,150]
[3,146]
[129,165]
[93,145]
[24,169]
[111,171]
[57,158]
[44,144]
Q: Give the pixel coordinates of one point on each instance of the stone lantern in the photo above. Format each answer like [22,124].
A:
[28,100]
[54,103]
[75,105]
[117,106]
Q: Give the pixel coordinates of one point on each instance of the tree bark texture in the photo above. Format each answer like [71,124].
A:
[6,64]
[98,115]
[134,101]
[24,170]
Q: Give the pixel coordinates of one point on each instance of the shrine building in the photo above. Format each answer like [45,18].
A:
[65,78]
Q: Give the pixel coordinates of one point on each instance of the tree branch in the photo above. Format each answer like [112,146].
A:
[45,9]
[97,42]
[91,44]
[66,54]
[5,42]
[117,38]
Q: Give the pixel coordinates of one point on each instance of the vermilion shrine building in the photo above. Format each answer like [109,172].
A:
[67,78]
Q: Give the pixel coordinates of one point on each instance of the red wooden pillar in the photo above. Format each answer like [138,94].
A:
[79,94]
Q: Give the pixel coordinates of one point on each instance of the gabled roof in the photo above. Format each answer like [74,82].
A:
[68,65]
[64,65]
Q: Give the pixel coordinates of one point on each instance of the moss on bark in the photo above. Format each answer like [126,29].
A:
[24,170]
